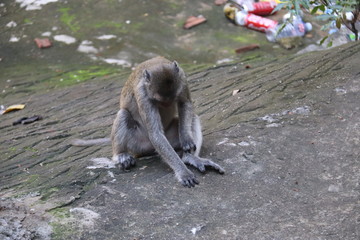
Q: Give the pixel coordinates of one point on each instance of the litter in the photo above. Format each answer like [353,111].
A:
[296,28]
[27,120]
[194,21]
[246,13]
[237,14]
[42,42]
[259,8]
[247,48]
[12,108]
[253,21]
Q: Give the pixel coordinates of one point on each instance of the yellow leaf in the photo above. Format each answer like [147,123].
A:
[13,108]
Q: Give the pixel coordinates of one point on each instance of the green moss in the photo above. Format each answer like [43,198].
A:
[27,21]
[48,192]
[69,20]
[64,79]
[109,24]
[33,180]
[82,75]
[31,149]
[179,24]
[190,68]
[12,149]
[61,213]
[174,5]
[63,227]
[62,231]
[119,27]
[241,38]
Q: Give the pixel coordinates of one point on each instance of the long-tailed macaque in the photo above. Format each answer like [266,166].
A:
[156,116]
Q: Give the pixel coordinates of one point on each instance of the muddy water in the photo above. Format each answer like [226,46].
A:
[115,33]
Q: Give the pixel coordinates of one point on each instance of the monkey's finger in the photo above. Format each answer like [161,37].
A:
[125,165]
[189,147]
[132,161]
[190,182]
[186,183]
[199,164]
[215,166]
[218,168]
[200,167]
[195,163]
[196,181]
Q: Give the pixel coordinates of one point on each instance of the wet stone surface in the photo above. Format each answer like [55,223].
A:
[288,140]
[126,32]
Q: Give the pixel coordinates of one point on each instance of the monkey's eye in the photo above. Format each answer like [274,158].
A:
[147,75]
[176,66]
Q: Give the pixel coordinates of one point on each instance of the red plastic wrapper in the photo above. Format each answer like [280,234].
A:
[260,8]
[254,21]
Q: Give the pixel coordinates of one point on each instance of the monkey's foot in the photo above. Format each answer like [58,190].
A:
[187,178]
[125,160]
[201,163]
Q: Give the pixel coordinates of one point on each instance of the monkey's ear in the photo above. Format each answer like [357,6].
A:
[146,75]
[176,66]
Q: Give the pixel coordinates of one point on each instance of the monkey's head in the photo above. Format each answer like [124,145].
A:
[164,82]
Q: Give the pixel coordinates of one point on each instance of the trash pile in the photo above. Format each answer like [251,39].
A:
[251,14]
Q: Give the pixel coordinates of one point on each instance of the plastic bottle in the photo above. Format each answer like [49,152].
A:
[253,21]
[295,29]
[259,8]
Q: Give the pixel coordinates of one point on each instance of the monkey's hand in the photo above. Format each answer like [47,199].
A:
[201,163]
[188,145]
[125,160]
[186,178]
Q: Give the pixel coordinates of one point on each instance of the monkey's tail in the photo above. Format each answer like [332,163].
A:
[84,143]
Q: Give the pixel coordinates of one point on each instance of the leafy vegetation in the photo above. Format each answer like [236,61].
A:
[338,13]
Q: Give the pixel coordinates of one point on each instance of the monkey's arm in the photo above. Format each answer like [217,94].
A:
[150,116]
[186,114]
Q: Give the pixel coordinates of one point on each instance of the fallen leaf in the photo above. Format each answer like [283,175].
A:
[13,108]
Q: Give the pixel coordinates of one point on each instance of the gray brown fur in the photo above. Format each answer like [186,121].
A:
[156,116]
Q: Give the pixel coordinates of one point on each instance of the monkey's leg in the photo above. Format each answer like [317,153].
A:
[127,137]
[197,134]
[195,160]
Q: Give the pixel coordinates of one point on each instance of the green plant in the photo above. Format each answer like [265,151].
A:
[346,12]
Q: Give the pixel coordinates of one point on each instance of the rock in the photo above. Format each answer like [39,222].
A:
[289,142]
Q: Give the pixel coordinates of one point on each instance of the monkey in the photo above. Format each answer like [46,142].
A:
[156,116]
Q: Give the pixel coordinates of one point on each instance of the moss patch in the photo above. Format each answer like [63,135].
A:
[60,78]
[62,231]
[48,192]
[69,20]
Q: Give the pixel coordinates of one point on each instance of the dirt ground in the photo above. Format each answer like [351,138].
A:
[288,140]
